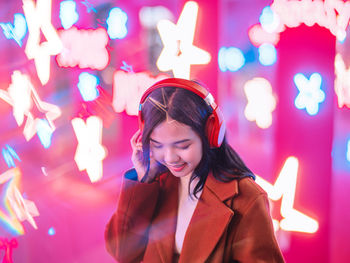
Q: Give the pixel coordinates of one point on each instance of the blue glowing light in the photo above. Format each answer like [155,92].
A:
[348,151]
[18,30]
[268,19]
[68,14]
[88,86]
[116,23]
[9,155]
[127,67]
[231,59]
[51,231]
[89,6]
[267,54]
[44,132]
[310,92]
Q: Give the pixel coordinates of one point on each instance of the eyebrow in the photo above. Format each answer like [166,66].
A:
[177,142]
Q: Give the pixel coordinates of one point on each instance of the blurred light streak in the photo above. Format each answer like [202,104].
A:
[116,22]
[90,152]
[128,89]
[89,6]
[88,86]
[39,18]
[8,246]
[348,151]
[284,188]
[258,36]
[150,15]
[342,81]
[83,48]
[231,59]
[68,13]
[331,14]
[310,92]
[178,53]
[44,132]
[126,67]
[267,54]
[18,30]
[9,155]
[261,102]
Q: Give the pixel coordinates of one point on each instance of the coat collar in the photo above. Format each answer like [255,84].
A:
[207,225]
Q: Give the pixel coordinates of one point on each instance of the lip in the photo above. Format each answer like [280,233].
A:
[177,168]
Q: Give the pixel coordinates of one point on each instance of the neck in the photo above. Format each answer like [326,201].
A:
[183,186]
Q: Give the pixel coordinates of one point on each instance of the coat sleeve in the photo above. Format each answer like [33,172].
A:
[126,233]
[255,239]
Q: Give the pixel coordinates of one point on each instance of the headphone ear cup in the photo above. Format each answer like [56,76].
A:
[210,130]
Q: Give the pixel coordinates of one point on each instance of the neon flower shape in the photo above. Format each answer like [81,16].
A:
[116,23]
[261,102]
[8,246]
[16,207]
[22,96]
[68,13]
[9,155]
[84,48]
[310,93]
[17,31]
[89,6]
[88,86]
[284,188]
[90,153]
[39,18]
[342,82]
[178,52]
[128,89]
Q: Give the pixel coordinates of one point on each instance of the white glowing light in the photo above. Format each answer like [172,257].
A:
[68,13]
[231,59]
[342,82]
[284,188]
[267,54]
[178,53]
[90,152]
[269,20]
[310,92]
[261,102]
[116,22]
[88,86]
[84,48]
[22,96]
[128,89]
[39,18]
[259,36]
[17,31]
[331,14]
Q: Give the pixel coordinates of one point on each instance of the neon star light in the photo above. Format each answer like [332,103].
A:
[178,53]
[39,18]
[128,89]
[284,188]
[261,102]
[342,82]
[17,31]
[16,207]
[310,92]
[84,48]
[22,96]
[90,152]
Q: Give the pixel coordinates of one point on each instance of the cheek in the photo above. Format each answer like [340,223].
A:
[157,154]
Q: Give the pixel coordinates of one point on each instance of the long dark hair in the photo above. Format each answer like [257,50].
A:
[188,108]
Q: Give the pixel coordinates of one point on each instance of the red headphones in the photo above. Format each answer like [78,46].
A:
[215,126]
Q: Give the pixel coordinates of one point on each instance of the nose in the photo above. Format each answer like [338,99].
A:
[170,156]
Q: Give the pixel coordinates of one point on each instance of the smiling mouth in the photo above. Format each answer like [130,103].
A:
[176,168]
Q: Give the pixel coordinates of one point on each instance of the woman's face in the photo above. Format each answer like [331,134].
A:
[176,146]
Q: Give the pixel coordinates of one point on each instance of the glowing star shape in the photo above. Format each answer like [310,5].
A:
[17,31]
[88,86]
[17,208]
[22,96]
[310,93]
[261,102]
[8,246]
[128,89]
[84,48]
[116,22]
[39,18]
[90,153]
[68,13]
[284,188]
[342,82]
[178,52]
[9,155]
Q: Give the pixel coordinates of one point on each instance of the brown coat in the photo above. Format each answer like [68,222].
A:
[231,223]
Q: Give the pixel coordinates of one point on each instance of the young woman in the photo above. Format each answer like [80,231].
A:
[189,197]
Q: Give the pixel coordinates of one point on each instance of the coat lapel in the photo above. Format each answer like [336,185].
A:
[209,220]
